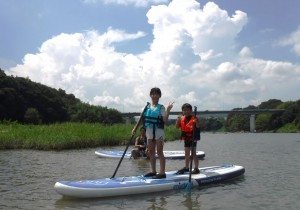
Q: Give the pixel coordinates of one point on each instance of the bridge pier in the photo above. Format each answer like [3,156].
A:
[127,120]
[252,123]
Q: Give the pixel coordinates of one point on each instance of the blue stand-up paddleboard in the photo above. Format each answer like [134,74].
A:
[168,154]
[140,184]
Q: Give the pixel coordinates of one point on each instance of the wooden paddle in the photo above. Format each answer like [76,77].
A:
[129,142]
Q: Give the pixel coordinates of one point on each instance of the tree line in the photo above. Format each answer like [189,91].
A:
[290,118]
[25,101]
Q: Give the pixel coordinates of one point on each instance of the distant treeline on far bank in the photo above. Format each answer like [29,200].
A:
[27,102]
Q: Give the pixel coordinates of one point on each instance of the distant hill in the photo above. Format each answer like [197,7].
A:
[29,102]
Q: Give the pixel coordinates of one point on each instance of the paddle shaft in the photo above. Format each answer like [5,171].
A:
[132,136]
[192,147]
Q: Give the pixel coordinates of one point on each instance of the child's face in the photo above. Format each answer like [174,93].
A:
[155,97]
[143,131]
[186,111]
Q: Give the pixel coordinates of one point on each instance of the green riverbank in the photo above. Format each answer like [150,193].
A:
[62,136]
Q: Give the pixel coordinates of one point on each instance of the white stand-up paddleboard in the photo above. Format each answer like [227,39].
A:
[140,184]
[168,154]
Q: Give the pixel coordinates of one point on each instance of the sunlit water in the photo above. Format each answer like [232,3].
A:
[271,180]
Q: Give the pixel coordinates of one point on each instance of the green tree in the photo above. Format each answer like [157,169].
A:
[262,122]
[32,116]
[290,113]
[210,124]
[237,122]
[297,119]
[274,121]
[12,104]
[270,104]
[91,113]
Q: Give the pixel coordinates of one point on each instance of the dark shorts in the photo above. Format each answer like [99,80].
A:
[140,153]
[188,143]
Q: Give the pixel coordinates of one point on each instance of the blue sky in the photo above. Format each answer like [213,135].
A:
[218,54]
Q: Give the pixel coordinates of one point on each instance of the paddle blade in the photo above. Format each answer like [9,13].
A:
[188,187]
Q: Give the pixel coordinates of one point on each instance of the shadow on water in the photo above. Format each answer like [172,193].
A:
[161,201]
[156,201]
[230,182]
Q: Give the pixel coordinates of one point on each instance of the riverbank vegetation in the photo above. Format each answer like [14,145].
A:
[61,136]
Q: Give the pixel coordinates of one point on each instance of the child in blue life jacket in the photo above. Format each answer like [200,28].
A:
[140,144]
[155,116]
[187,123]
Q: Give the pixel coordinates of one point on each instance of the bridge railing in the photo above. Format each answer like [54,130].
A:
[243,111]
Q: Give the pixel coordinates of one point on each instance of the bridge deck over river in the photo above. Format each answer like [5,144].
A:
[250,112]
[244,111]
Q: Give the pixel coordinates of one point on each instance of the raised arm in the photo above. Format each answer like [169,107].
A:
[167,113]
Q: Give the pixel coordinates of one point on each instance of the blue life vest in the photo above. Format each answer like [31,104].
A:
[153,118]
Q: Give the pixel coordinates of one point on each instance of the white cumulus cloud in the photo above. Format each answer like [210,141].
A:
[193,58]
[293,40]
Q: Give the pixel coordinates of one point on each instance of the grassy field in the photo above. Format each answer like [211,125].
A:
[62,136]
[68,135]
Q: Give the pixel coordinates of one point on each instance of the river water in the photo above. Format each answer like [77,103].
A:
[271,180]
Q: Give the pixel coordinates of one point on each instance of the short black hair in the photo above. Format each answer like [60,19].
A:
[187,106]
[155,90]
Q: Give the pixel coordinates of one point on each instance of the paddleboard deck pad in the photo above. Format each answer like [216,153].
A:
[108,187]
[168,154]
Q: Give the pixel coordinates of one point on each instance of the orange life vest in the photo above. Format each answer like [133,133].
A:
[187,129]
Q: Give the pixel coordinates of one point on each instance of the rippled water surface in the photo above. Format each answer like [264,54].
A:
[271,180]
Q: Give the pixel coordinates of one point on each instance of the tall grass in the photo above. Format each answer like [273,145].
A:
[289,128]
[67,135]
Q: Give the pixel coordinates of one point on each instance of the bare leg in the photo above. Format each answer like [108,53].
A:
[187,151]
[196,160]
[133,154]
[151,151]
[160,153]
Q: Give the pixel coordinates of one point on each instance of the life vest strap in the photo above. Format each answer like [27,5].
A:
[155,121]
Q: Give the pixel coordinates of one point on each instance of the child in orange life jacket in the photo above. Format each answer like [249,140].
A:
[186,123]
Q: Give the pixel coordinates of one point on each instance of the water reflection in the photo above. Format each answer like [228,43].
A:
[191,200]
[271,161]
[157,203]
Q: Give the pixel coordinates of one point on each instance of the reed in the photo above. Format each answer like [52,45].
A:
[289,128]
[61,136]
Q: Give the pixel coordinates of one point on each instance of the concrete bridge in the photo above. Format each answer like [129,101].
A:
[250,112]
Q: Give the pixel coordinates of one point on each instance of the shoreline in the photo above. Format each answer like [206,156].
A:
[65,136]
